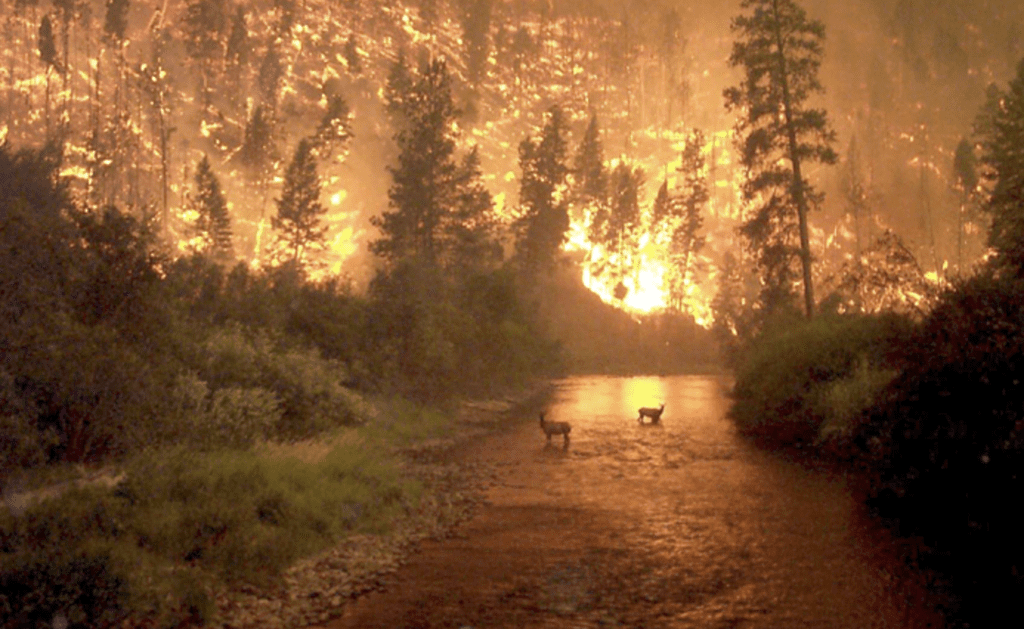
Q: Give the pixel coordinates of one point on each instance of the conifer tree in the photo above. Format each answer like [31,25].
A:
[48,55]
[472,231]
[540,230]
[236,57]
[299,220]
[352,59]
[623,223]
[213,224]
[476,29]
[590,176]
[206,23]
[237,50]
[335,128]
[258,151]
[1001,128]
[780,52]
[398,89]
[424,187]
[855,192]
[269,78]
[965,174]
[686,209]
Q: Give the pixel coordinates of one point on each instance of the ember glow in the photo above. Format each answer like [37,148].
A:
[134,123]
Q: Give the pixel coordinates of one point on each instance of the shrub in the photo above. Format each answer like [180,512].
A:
[243,368]
[949,435]
[783,381]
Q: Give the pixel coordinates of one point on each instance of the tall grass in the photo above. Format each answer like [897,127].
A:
[182,521]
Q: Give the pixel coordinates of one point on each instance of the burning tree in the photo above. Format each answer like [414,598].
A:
[780,50]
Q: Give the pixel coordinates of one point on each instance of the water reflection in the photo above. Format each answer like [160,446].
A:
[678,524]
[722,528]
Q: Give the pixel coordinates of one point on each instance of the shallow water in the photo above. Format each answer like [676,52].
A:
[675,524]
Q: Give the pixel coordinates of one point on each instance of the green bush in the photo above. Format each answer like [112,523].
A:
[308,388]
[181,522]
[786,380]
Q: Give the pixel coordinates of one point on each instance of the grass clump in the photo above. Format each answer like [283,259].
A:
[182,522]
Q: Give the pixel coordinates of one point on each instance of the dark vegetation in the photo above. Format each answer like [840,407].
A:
[172,369]
[926,412]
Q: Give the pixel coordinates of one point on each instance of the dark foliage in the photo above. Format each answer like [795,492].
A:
[948,439]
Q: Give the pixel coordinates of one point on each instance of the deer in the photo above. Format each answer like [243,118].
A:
[555,428]
[653,413]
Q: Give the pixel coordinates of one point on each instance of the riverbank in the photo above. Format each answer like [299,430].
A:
[318,588]
[282,534]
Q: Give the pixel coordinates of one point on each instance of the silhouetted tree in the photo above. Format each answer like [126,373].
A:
[335,128]
[299,220]
[686,208]
[213,224]
[472,230]
[424,187]
[965,174]
[1001,130]
[476,29]
[398,89]
[590,176]
[269,79]
[624,221]
[855,192]
[780,51]
[541,228]
[236,56]
[205,27]
[48,55]
[352,59]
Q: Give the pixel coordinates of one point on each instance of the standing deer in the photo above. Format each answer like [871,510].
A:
[555,428]
[653,413]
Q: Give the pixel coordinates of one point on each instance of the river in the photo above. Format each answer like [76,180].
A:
[676,524]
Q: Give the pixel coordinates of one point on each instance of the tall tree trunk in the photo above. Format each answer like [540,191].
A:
[798,181]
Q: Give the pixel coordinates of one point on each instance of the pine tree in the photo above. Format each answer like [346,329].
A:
[213,224]
[205,27]
[335,128]
[855,192]
[116,20]
[352,58]
[780,51]
[237,51]
[269,78]
[623,224]
[472,227]
[965,175]
[686,208]
[590,176]
[48,55]
[1001,130]
[258,151]
[236,57]
[424,185]
[476,29]
[540,230]
[398,89]
[299,211]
